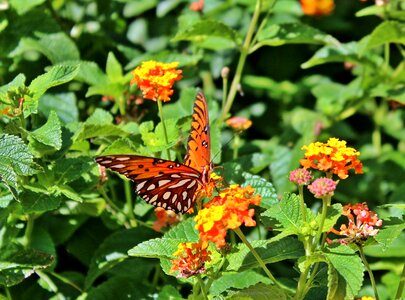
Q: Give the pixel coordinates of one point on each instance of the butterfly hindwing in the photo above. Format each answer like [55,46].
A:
[198,154]
[160,182]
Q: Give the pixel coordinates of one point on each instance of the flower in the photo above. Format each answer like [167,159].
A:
[366,298]
[155,79]
[317,7]
[239,123]
[164,218]
[333,157]
[197,5]
[191,259]
[300,176]
[322,187]
[362,223]
[228,210]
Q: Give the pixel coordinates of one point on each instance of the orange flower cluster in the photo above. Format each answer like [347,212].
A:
[164,218]
[332,157]
[362,223]
[197,5]
[191,259]
[156,79]
[239,123]
[228,210]
[317,7]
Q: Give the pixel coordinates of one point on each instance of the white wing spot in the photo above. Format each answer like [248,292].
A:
[175,176]
[151,187]
[174,198]
[104,161]
[167,195]
[163,182]
[164,205]
[122,158]
[179,206]
[153,200]
[140,186]
[189,202]
[184,194]
[193,182]
[179,184]
[119,166]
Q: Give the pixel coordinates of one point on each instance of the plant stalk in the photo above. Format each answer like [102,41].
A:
[370,273]
[160,108]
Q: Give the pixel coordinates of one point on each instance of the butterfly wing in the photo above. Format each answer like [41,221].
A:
[162,183]
[198,154]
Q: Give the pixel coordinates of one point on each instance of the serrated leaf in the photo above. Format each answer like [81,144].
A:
[390,232]
[17,263]
[156,248]
[114,250]
[238,280]
[38,202]
[90,73]
[99,117]
[293,33]
[202,30]
[16,83]
[22,6]
[332,215]
[69,169]
[184,231]
[121,146]
[57,75]
[262,187]
[259,292]
[349,266]
[270,252]
[50,134]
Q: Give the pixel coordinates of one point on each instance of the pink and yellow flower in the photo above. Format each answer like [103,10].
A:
[156,79]
[300,176]
[239,124]
[191,259]
[322,187]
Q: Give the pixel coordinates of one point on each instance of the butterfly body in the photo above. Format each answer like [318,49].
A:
[168,184]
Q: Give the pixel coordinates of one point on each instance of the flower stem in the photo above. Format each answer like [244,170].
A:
[202,286]
[241,63]
[370,273]
[28,231]
[235,146]
[302,202]
[129,200]
[325,204]
[256,255]
[160,108]
[66,280]
[401,284]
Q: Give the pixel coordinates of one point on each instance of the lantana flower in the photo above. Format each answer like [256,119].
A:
[191,259]
[362,223]
[197,5]
[239,123]
[332,157]
[156,79]
[300,176]
[229,210]
[317,7]
[164,218]
[322,187]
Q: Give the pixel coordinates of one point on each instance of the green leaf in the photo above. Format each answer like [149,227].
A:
[17,263]
[57,47]
[292,33]
[270,252]
[121,146]
[113,68]
[386,32]
[15,159]
[169,292]
[200,31]
[69,169]
[185,231]
[156,248]
[136,8]
[392,229]
[57,75]
[259,292]
[262,187]
[114,250]
[395,248]
[349,266]
[22,6]
[120,287]
[50,134]
[15,84]
[255,162]
[64,104]
[38,202]
[332,215]
[238,280]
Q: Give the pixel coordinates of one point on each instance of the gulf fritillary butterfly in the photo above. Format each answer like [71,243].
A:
[165,183]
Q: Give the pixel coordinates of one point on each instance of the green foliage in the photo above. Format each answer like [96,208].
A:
[68,230]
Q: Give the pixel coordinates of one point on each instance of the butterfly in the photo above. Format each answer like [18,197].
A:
[165,183]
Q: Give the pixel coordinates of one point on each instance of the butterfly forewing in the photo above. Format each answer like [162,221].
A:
[160,182]
[198,154]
